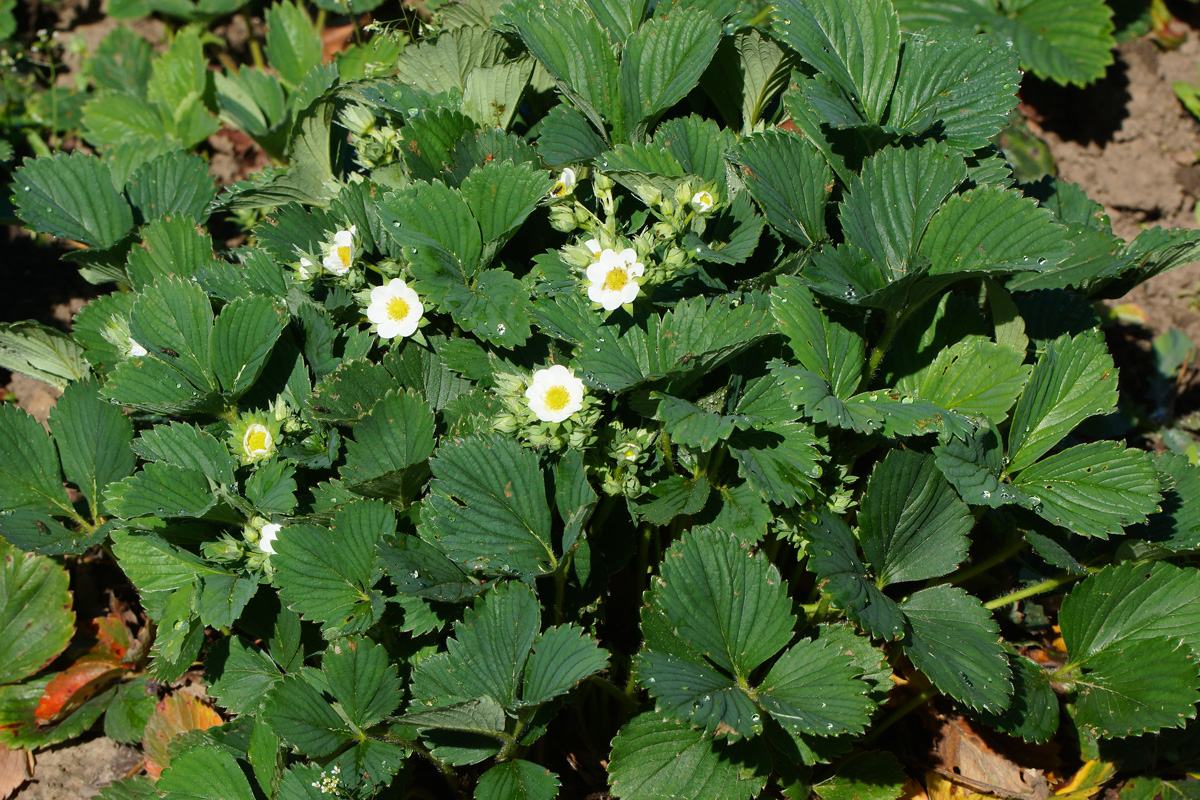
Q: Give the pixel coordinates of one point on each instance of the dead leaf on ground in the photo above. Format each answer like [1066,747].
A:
[965,757]
[16,767]
[173,716]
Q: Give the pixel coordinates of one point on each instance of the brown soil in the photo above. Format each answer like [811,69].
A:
[79,769]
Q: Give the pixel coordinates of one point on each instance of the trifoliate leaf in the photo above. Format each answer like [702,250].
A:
[36,622]
[789,180]
[239,676]
[656,759]
[813,688]
[662,61]
[912,525]
[326,574]
[1073,380]
[833,556]
[71,197]
[1093,489]
[487,507]
[434,225]
[495,308]
[953,639]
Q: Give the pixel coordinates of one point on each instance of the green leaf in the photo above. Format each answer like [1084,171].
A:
[822,342]
[242,338]
[781,462]
[171,246]
[1131,603]
[435,224]
[161,490]
[654,759]
[813,688]
[29,472]
[112,120]
[445,64]
[834,558]
[398,433]
[974,376]
[990,229]
[621,17]
[1033,715]
[36,622]
[501,195]
[663,60]
[493,93]
[41,352]
[224,597]
[1067,41]
[746,74]
[1074,379]
[238,676]
[487,507]
[567,137]
[272,488]
[170,184]
[517,780]
[1177,526]
[303,718]
[204,773]
[873,775]
[488,653]
[419,568]
[93,439]
[71,197]
[182,445]
[125,718]
[1094,489]
[974,465]
[953,639]
[854,43]
[889,204]
[335,591]
[495,308]
[156,565]
[1143,687]
[173,319]
[577,53]
[561,657]
[789,179]
[293,42]
[362,680]
[912,524]
[122,62]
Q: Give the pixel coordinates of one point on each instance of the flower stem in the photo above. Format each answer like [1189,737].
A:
[1031,591]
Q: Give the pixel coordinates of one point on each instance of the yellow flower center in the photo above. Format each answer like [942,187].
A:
[256,440]
[559,189]
[557,398]
[616,279]
[397,309]
[343,254]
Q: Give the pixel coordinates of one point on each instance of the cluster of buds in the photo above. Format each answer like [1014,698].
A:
[255,436]
[339,251]
[626,455]
[374,145]
[551,408]
[677,213]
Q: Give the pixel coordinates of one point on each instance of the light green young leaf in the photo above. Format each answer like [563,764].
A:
[953,639]
[93,439]
[823,344]
[327,574]
[911,524]
[493,93]
[487,507]
[789,180]
[974,376]
[1095,489]
[41,352]
[71,197]
[655,759]
[854,43]
[517,780]
[293,42]
[36,621]
[1073,380]
[748,71]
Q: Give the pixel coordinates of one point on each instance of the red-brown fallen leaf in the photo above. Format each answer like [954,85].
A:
[334,41]
[73,686]
[15,769]
[963,756]
[112,637]
[174,715]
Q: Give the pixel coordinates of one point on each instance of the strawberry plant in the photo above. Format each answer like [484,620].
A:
[662,401]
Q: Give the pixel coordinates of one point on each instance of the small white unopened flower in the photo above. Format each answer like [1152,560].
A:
[593,246]
[395,309]
[565,183]
[703,202]
[257,442]
[270,532]
[613,279]
[554,394]
[136,350]
[308,269]
[341,254]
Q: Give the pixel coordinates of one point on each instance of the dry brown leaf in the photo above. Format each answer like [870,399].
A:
[174,715]
[16,767]
[962,755]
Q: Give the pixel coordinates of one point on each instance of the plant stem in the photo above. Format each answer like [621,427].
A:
[966,573]
[900,713]
[760,17]
[1031,591]
[893,326]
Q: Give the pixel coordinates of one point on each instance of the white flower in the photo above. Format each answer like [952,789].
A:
[270,532]
[613,278]
[307,269]
[703,202]
[136,350]
[565,183]
[554,394]
[257,442]
[395,309]
[593,246]
[341,254]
